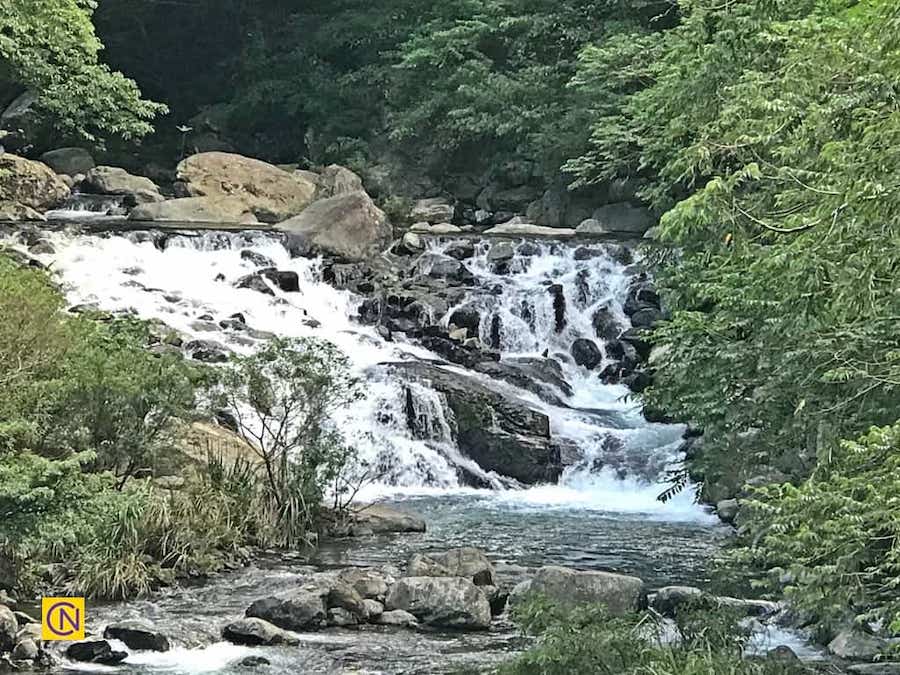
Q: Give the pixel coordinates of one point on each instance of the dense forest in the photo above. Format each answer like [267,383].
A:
[763,136]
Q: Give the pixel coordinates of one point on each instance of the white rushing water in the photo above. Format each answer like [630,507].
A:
[192,277]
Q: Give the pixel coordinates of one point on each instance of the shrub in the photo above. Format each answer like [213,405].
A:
[586,639]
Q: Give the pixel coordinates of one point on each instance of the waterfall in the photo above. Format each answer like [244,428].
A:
[534,302]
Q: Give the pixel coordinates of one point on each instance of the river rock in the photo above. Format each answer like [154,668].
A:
[9,626]
[255,632]
[95,651]
[620,218]
[529,230]
[341,617]
[25,650]
[17,213]
[621,594]
[272,194]
[606,327]
[669,599]
[301,610]
[855,645]
[467,562]
[369,583]
[586,353]
[337,180]
[29,183]
[397,617]
[348,226]
[449,602]
[342,595]
[374,609]
[380,518]
[727,510]
[112,180]
[502,251]
[467,317]
[432,211]
[196,210]
[500,432]
[69,161]
[137,635]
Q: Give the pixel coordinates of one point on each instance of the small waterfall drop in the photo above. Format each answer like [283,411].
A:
[403,430]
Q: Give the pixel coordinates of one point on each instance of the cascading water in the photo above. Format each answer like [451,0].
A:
[602,513]
[401,430]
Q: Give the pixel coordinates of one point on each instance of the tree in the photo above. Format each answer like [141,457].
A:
[49,47]
[282,398]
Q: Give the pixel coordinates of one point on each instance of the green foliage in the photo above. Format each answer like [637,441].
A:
[49,46]
[586,639]
[831,544]
[282,398]
[763,130]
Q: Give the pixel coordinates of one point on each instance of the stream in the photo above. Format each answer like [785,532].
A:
[601,515]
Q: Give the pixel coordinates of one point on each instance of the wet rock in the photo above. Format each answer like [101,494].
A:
[586,353]
[254,282]
[287,281]
[854,645]
[466,562]
[502,251]
[25,650]
[380,518]
[299,611]
[784,655]
[257,259]
[137,635]
[374,609]
[95,651]
[461,250]
[496,332]
[440,228]
[606,327]
[619,593]
[397,617]
[17,213]
[622,218]
[668,600]
[369,583]
[206,351]
[467,317]
[410,244]
[433,210]
[341,617]
[229,210]
[638,338]
[647,317]
[255,662]
[531,230]
[500,432]
[641,295]
[559,306]
[542,376]
[9,626]
[255,632]
[448,602]
[342,595]
[727,510]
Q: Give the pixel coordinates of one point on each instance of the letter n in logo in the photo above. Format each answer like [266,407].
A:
[62,618]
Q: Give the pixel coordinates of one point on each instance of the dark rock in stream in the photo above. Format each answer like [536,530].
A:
[586,353]
[301,610]
[498,431]
[446,602]
[255,632]
[95,651]
[137,635]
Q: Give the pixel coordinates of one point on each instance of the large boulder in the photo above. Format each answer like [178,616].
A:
[137,635]
[499,431]
[298,611]
[855,645]
[9,626]
[449,602]
[348,226]
[434,210]
[197,210]
[620,218]
[255,632]
[17,213]
[337,180]
[272,194]
[69,161]
[95,651]
[619,593]
[380,518]
[30,183]
[112,180]
[466,562]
